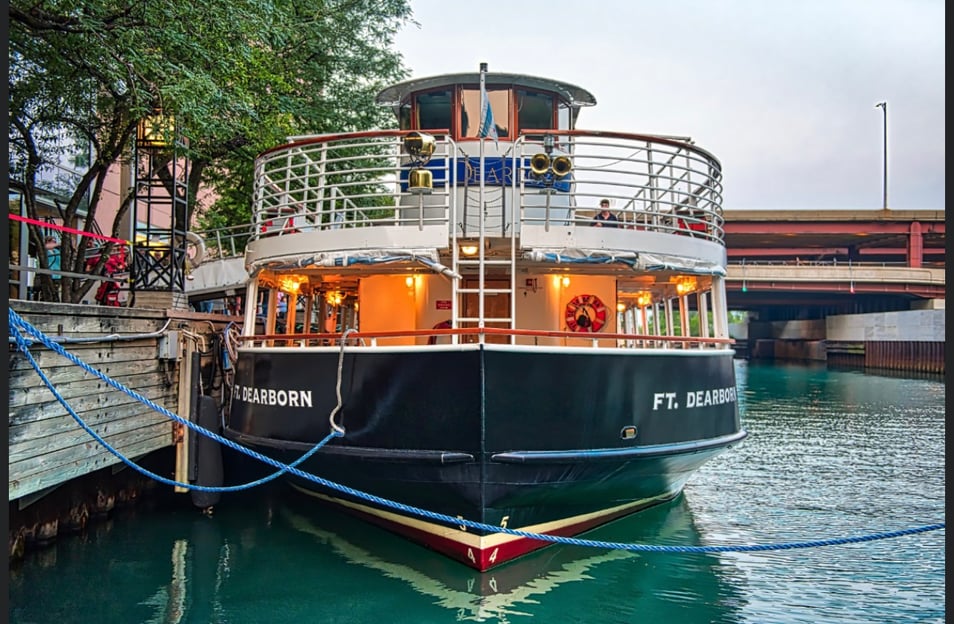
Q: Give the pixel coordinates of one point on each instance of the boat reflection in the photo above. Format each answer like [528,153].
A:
[649,582]
[277,561]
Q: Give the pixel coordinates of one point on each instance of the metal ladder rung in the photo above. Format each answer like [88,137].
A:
[477,262]
[488,291]
[487,319]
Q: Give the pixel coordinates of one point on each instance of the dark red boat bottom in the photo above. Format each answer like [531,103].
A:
[482,552]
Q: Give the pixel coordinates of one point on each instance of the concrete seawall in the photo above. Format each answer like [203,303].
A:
[908,340]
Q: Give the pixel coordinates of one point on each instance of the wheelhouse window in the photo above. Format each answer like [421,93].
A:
[534,110]
[433,110]
[404,116]
[470,111]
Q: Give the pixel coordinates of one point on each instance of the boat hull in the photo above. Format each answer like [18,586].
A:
[543,440]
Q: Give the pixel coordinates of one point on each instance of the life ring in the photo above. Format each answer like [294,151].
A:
[585,314]
[198,244]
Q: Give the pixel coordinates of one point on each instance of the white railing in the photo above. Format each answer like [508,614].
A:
[360,180]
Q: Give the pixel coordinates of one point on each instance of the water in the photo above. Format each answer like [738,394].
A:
[829,454]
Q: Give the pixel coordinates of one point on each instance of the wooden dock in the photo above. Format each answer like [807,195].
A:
[59,475]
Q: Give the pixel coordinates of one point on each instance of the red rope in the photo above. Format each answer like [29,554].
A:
[63,228]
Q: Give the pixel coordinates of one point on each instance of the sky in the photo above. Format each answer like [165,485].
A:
[782,92]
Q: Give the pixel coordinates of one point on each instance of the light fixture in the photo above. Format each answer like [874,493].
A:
[565,281]
[644,298]
[333,297]
[409,281]
[468,249]
[685,285]
[156,130]
[620,307]
[291,283]
[419,146]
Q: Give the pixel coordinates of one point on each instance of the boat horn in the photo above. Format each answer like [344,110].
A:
[561,166]
[540,164]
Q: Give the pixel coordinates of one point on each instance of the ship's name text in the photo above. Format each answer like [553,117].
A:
[271,396]
[694,398]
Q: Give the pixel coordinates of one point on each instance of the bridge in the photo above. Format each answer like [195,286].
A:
[809,264]
[804,264]
[856,288]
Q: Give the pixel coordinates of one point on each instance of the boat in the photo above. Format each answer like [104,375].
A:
[441,298]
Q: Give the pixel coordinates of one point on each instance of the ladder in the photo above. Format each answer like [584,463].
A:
[489,222]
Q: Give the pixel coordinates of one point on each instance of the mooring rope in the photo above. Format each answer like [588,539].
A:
[17,323]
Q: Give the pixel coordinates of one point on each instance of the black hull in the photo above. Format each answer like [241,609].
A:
[550,441]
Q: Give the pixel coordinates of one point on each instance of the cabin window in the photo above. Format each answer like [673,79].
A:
[470,111]
[404,116]
[564,121]
[534,110]
[433,110]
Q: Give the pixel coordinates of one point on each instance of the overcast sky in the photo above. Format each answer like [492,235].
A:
[783,92]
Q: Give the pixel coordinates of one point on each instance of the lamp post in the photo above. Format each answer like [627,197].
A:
[884,109]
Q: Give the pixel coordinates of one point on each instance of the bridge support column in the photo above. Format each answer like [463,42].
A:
[915,246]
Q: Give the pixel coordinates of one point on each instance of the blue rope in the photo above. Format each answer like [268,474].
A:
[17,323]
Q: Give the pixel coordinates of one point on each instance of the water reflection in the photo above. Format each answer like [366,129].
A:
[649,585]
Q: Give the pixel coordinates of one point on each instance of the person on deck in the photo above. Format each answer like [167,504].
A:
[605,218]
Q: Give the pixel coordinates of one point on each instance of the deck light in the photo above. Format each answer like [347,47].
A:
[291,283]
[685,285]
[468,249]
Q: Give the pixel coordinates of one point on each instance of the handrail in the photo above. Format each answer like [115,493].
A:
[335,338]
[671,187]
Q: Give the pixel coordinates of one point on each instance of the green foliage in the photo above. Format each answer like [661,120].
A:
[238,75]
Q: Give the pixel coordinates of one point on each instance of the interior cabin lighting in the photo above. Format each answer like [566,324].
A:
[468,249]
[291,283]
[333,297]
[685,285]
[644,299]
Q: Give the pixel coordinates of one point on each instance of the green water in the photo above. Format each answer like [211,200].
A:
[829,454]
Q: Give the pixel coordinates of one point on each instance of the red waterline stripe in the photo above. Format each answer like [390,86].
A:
[63,228]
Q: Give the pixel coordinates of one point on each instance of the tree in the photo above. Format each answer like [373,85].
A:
[238,75]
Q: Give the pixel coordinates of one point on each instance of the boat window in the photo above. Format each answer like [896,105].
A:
[470,111]
[563,117]
[534,110]
[433,110]
[404,116]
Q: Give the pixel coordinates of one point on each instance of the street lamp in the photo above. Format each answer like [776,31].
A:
[884,109]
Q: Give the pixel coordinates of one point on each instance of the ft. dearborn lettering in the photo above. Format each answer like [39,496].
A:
[694,398]
[271,396]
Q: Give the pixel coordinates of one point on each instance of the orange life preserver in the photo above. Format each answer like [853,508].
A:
[585,314]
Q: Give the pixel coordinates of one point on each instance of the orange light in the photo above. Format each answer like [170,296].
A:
[291,283]
[685,285]
[333,297]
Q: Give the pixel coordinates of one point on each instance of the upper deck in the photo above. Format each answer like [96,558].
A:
[438,179]
[440,196]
